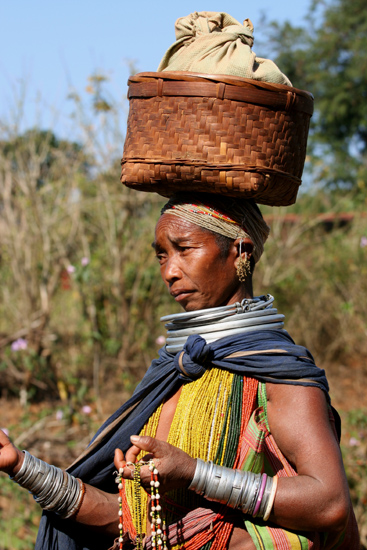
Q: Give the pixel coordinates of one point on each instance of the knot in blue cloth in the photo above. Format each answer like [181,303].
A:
[192,362]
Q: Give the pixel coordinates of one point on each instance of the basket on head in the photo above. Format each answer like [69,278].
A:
[216,134]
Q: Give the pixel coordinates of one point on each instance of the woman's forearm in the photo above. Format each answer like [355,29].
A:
[306,504]
[99,511]
[60,492]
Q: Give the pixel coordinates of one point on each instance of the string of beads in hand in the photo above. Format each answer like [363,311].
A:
[158,526]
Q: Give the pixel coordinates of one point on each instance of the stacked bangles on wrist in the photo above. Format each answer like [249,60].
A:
[251,493]
[58,491]
[54,489]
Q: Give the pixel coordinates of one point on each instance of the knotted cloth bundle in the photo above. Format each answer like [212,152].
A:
[216,43]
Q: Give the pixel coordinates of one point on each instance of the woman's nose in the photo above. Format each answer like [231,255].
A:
[172,270]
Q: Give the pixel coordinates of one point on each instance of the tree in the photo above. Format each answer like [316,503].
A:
[328,58]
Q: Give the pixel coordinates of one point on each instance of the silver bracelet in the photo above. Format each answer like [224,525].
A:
[247,494]
[266,496]
[238,489]
[54,489]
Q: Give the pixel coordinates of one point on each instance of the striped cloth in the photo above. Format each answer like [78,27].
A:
[260,453]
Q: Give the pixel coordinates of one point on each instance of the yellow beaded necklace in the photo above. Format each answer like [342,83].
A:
[196,428]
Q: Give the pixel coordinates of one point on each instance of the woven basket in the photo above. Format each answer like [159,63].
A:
[216,134]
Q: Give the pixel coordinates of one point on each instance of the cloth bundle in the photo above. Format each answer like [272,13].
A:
[216,43]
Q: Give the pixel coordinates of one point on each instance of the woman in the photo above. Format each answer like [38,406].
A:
[243,396]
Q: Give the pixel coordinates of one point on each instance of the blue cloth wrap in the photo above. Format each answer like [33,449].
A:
[277,359]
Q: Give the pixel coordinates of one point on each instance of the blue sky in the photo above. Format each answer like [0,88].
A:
[52,47]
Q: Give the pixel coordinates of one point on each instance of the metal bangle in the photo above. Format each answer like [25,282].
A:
[197,474]
[52,488]
[41,480]
[45,495]
[26,471]
[248,495]
[260,495]
[200,476]
[21,469]
[205,467]
[57,496]
[231,480]
[255,494]
[213,481]
[244,490]
[213,484]
[223,492]
[239,483]
[271,498]
[246,484]
[68,505]
[74,511]
[266,496]
[51,480]
[49,500]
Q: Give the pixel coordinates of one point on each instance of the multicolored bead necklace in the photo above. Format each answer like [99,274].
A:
[208,422]
[158,526]
[121,489]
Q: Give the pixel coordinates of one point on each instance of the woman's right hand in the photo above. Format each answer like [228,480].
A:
[11,458]
[176,468]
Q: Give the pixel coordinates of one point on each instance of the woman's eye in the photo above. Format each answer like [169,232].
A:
[160,257]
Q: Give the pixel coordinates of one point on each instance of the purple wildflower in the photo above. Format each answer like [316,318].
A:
[363,242]
[70,269]
[19,344]
[87,409]
[84,261]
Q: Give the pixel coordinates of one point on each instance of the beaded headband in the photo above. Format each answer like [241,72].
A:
[201,209]
[223,215]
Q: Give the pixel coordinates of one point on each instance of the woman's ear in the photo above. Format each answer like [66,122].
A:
[245,247]
[242,262]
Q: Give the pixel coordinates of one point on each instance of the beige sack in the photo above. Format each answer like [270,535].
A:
[216,43]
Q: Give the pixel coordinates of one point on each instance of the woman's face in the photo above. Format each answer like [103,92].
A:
[193,268]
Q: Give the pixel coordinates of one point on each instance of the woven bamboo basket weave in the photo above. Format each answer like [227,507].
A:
[216,134]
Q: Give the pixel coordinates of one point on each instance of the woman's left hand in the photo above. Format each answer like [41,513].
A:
[11,458]
[176,468]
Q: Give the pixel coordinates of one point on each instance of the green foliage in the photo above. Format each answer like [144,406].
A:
[317,270]
[328,58]
[19,517]
[44,146]
[354,450]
